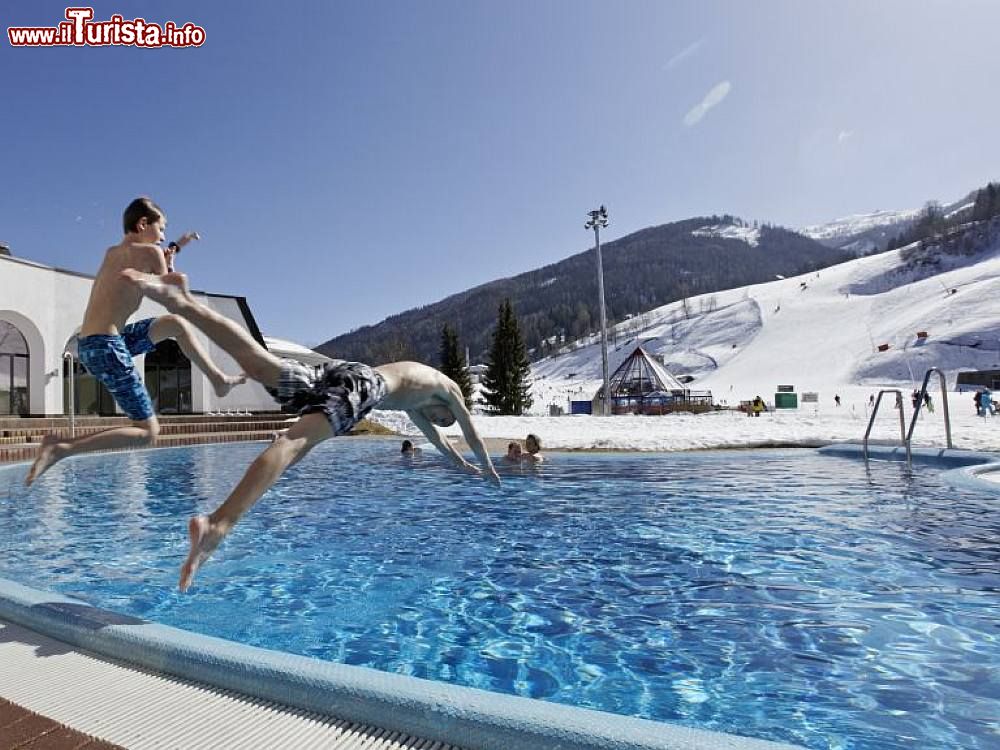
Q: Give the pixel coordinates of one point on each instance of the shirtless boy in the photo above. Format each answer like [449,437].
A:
[107,345]
[331,398]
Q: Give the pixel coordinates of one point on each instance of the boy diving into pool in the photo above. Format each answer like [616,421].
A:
[107,346]
[331,398]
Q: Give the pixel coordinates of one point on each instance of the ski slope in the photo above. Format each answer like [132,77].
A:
[819,332]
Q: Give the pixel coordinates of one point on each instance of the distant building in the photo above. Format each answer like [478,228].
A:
[970,381]
[41,309]
[291,350]
[641,385]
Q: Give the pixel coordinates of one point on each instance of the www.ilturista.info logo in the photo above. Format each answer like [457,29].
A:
[79,30]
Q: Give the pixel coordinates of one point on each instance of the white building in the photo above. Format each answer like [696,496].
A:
[41,309]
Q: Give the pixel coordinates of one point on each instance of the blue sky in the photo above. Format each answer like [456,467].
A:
[345,161]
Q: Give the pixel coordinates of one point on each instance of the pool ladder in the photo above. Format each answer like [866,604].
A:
[906,436]
[71,410]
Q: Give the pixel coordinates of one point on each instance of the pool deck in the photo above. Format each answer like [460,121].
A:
[137,709]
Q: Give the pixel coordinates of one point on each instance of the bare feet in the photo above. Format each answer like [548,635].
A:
[205,537]
[48,454]
[228,382]
[170,289]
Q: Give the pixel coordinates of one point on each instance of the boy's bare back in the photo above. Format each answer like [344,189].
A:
[112,299]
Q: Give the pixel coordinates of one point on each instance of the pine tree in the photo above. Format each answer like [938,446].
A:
[506,382]
[453,363]
[981,208]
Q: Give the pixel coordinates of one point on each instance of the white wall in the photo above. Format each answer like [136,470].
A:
[47,306]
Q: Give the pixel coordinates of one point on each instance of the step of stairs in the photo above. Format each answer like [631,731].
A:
[14,423]
[26,451]
[35,434]
[21,436]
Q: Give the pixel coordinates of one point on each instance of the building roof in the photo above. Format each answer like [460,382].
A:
[291,350]
[641,375]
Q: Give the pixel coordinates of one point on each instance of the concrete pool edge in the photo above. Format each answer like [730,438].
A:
[973,477]
[467,717]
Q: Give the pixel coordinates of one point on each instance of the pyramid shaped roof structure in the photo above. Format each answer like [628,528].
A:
[641,375]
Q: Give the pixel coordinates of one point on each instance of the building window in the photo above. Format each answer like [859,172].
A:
[168,378]
[89,396]
[14,361]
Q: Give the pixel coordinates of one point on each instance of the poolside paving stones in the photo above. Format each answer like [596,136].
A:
[21,729]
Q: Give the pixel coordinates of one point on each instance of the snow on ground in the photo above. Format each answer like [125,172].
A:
[808,426]
[819,332]
[749,235]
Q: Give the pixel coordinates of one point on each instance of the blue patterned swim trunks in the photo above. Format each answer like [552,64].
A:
[344,391]
[109,359]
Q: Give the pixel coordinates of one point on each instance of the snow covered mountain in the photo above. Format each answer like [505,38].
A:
[863,234]
[857,323]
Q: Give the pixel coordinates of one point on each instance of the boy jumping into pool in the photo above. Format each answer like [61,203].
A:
[331,398]
[107,345]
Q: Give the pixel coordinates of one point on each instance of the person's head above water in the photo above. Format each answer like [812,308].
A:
[532,443]
[513,450]
[407,447]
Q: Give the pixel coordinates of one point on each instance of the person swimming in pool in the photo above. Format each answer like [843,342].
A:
[533,450]
[513,452]
[330,399]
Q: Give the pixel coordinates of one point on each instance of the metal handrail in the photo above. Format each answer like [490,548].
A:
[920,402]
[68,356]
[902,421]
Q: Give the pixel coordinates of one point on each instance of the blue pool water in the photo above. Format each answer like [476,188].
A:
[782,594]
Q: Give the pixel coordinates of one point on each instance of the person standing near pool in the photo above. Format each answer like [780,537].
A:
[106,345]
[330,399]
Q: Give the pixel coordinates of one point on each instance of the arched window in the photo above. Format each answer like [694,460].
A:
[14,360]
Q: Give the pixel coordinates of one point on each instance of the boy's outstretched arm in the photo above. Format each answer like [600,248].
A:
[440,442]
[456,402]
[175,247]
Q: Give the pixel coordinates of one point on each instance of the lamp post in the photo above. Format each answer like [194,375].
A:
[598,219]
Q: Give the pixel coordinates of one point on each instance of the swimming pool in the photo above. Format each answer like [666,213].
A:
[780,595]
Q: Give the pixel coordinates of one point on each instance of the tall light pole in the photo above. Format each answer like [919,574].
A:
[598,219]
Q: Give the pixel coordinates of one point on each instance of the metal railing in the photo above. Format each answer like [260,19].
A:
[71,360]
[902,421]
[920,403]
[906,436]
